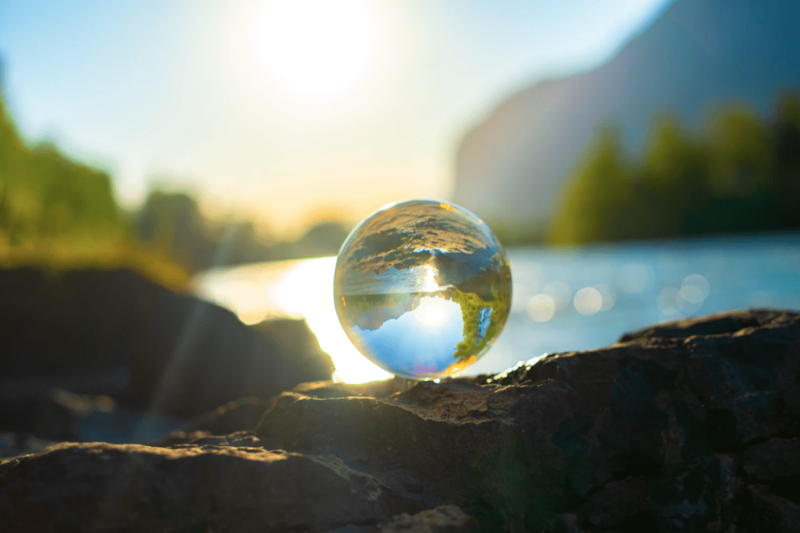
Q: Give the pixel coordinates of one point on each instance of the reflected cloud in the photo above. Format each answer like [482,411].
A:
[412,239]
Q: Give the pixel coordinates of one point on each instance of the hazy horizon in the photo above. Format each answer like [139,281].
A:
[233,104]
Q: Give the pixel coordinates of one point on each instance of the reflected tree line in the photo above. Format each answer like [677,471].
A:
[739,174]
[483,313]
[51,204]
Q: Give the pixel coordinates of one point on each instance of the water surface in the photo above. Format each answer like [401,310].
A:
[563,299]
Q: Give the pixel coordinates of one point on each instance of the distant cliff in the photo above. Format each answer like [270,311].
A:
[697,56]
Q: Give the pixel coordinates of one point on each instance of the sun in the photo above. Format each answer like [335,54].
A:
[314,48]
[433,311]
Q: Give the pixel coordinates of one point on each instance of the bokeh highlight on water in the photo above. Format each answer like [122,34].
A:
[422,288]
[564,299]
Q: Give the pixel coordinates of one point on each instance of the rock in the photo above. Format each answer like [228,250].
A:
[690,426]
[771,513]
[58,415]
[773,460]
[106,487]
[115,333]
[718,324]
[623,503]
[13,444]
[43,415]
[520,449]
[236,439]
[240,415]
[245,414]
[327,389]
[445,519]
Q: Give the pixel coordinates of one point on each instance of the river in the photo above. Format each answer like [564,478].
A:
[563,299]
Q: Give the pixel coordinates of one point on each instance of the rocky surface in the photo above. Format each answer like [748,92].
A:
[691,426]
[115,333]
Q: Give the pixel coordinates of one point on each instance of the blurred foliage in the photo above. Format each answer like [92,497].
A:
[740,175]
[44,196]
[173,224]
[533,231]
[63,214]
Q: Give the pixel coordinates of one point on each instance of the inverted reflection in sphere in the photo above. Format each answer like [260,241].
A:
[422,288]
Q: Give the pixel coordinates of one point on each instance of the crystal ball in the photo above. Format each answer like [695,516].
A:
[422,288]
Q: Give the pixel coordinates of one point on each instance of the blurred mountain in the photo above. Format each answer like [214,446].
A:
[696,56]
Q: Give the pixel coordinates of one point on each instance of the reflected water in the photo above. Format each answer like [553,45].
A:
[639,284]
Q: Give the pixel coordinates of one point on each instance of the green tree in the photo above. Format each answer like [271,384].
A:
[785,137]
[669,185]
[173,224]
[741,192]
[598,190]
[45,196]
[740,175]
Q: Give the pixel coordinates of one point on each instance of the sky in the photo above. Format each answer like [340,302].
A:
[290,112]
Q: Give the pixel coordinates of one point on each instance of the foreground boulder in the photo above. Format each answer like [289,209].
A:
[116,333]
[114,487]
[693,426]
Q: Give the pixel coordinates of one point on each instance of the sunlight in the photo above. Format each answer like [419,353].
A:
[307,291]
[428,281]
[433,311]
[314,48]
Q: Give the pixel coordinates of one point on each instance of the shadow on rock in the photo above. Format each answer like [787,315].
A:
[114,333]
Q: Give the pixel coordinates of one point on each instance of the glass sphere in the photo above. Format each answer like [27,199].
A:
[422,288]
